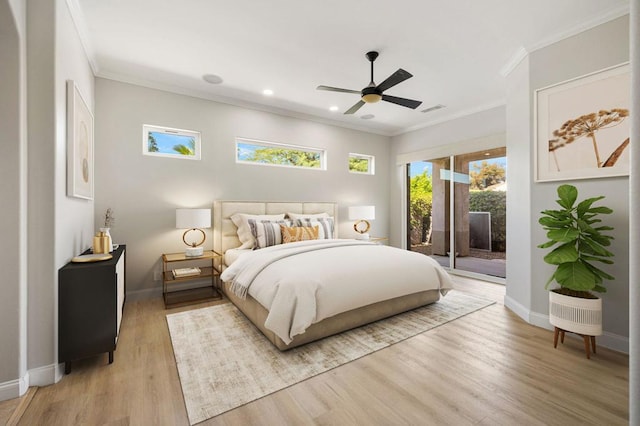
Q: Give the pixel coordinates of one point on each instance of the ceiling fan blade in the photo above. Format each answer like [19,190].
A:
[355,108]
[395,78]
[409,103]
[337,89]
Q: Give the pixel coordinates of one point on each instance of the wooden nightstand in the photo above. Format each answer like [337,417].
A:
[208,270]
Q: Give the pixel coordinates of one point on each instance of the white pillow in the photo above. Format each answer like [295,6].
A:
[241,220]
[267,233]
[295,216]
[326,226]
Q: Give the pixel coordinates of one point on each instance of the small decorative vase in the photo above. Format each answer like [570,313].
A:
[108,235]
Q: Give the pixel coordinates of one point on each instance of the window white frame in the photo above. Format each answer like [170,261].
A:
[179,136]
[322,154]
[370,163]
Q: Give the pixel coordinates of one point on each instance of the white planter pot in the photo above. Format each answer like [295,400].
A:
[574,314]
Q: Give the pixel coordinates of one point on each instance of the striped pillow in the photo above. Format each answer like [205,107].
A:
[298,233]
[267,232]
[326,226]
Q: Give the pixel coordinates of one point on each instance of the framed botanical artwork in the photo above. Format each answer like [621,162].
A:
[79,145]
[582,126]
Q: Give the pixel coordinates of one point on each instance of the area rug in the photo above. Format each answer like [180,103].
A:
[225,362]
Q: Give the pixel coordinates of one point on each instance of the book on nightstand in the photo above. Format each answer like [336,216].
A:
[185,272]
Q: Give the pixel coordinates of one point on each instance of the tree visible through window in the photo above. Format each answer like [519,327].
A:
[273,154]
[360,163]
[167,142]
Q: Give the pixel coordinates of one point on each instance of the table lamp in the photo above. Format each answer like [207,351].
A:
[193,220]
[362,215]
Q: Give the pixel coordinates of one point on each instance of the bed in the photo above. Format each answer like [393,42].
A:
[348,283]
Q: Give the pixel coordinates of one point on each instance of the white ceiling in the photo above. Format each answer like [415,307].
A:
[458,51]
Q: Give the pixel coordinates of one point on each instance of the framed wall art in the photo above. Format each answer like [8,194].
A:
[79,145]
[582,126]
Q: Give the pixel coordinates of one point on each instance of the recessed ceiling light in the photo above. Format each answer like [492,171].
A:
[267,92]
[333,108]
[212,78]
[367,116]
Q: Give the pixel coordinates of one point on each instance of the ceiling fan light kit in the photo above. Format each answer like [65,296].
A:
[372,93]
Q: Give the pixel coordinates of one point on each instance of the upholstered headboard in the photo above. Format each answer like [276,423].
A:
[225,232]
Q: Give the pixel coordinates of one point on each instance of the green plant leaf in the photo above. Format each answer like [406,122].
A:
[575,276]
[547,244]
[563,235]
[598,259]
[601,210]
[580,241]
[584,205]
[551,222]
[599,289]
[559,214]
[566,253]
[584,226]
[568,195]
[599,272]
[603,240]
[596,248]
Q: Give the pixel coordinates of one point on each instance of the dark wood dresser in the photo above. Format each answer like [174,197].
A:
[90,304]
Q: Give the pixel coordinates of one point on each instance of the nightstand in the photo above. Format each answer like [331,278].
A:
[173,290]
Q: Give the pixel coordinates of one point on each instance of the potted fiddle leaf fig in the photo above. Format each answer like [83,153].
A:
[580,241]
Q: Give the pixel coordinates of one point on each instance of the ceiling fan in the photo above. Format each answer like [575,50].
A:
[372,93]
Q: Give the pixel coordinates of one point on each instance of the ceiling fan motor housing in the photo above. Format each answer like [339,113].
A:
[371,95]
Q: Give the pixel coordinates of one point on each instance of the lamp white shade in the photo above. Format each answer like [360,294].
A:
[362,212]
[193,218]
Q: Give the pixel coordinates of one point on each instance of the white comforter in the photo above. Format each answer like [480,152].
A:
[303,283]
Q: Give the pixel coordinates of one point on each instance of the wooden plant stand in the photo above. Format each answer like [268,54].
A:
[587,347]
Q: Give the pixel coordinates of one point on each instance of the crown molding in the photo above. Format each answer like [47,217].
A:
[583,26]
[79,22]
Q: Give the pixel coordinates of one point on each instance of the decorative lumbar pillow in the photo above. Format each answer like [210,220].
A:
[298,233]
[267,233]
[326,226]
[241,220]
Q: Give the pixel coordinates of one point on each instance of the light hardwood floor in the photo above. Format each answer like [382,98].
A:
[487,368]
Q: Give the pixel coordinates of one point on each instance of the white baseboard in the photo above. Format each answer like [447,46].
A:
[14,388]
[516,308]
[46,375]
[607,340]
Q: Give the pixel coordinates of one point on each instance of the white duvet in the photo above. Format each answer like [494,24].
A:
[303,283]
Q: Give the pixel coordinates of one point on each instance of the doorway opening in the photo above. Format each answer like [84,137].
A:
[457,211]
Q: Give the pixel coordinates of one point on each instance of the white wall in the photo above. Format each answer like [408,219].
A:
[59,227]
[519,177]
[634,205]
[144,191]
[12,190]
[590,51]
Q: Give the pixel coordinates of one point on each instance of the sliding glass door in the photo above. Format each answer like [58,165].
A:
[457,211]
[429,208]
